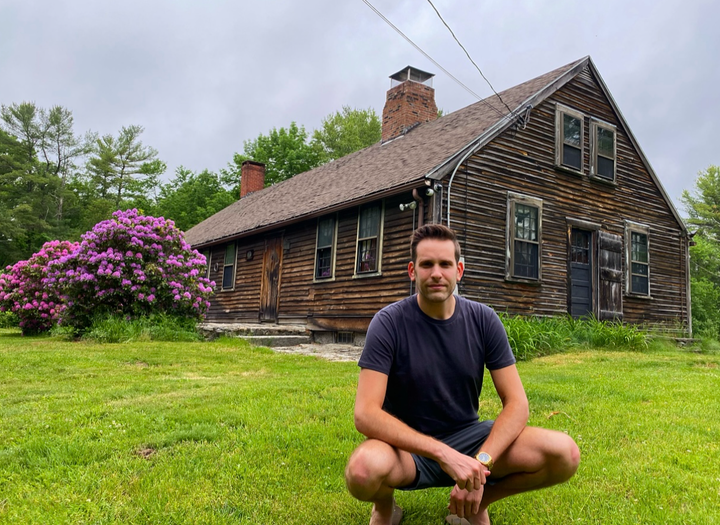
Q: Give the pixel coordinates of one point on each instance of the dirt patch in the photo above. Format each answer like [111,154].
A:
[331,352]
[146,453]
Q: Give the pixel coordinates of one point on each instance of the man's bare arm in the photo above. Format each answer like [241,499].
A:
[372,421]
[513,417]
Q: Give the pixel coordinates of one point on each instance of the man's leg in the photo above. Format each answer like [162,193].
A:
[538,458]
[373,472]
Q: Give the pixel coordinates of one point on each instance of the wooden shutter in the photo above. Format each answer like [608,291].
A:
[610,248]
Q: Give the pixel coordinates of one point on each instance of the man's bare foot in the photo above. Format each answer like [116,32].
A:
[484,518]
[378,519]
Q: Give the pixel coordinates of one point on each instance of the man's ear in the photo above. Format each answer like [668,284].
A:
[411,271]
[461,269]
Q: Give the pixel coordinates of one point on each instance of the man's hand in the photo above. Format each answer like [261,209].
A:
[466,471]
[463,503]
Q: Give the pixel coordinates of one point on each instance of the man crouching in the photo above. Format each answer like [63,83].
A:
[418,397]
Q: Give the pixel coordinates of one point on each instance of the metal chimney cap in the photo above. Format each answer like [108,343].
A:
[411,73]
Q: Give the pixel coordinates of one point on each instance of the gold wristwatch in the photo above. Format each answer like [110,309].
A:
[485,459]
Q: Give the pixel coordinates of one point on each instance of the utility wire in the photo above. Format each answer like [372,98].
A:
[468,55]
[436,63]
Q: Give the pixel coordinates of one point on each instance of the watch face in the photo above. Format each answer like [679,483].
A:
[483,457]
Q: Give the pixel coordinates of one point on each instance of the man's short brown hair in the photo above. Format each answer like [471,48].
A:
[433,231]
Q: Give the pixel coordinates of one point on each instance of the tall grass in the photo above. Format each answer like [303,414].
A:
[120,329]
[538,336]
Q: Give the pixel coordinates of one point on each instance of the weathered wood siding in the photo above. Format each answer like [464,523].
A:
[243,302]
[346,301]
[523,161]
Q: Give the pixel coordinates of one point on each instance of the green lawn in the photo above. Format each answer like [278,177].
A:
[222,433]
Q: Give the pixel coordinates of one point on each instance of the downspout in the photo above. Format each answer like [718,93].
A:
[421,207]
[686,240]
[467,155]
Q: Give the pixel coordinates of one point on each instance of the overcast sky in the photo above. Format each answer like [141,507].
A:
[202,77]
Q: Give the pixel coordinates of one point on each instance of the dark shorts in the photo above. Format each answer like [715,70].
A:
[466,441]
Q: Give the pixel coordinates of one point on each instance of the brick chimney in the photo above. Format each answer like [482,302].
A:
[410,101]
[252,177]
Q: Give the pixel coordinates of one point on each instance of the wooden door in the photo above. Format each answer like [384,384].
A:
[581,273]
[610,250]
[270,285]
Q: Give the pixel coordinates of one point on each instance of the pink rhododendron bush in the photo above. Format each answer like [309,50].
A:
[130,265]
[23,290]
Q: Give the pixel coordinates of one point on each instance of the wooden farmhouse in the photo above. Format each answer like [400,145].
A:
[556,207]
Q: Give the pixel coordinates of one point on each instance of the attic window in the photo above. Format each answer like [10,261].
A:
[603,150]
[369,240]
[569,138]
[325,248]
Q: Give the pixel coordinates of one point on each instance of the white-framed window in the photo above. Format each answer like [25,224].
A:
[603,149]
[524,238]
[569,138]
[637,254]
[325,244]
[228,279]
[368,251]
[207,252]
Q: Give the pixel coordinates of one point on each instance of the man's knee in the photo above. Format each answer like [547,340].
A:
[565,457]
[368,467]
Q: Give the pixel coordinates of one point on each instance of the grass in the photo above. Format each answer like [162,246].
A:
[532,337]
[216,433]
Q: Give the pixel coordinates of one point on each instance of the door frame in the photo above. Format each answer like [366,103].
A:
[592,228]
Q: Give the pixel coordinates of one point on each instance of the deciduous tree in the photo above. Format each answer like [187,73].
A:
[189,198]
[347,131]
[285,153]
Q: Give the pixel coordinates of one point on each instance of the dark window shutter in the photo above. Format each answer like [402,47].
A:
[610,252]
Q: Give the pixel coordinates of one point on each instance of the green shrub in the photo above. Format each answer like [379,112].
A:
[155,327]
[8,320]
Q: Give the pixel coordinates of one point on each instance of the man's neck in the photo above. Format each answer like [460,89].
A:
[440,311]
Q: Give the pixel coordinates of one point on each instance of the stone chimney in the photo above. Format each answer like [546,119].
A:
[252,177]
[410,101]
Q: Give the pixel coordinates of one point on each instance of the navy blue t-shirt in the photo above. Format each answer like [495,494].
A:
[435,368]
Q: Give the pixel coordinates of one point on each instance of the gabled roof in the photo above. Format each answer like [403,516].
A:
[429,150]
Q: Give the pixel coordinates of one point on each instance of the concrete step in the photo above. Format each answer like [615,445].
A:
[245,329]
[276,340]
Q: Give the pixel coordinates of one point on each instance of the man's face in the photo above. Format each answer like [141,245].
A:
[435,271]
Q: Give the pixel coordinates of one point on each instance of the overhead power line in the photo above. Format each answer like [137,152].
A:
[468,55]
[436,63]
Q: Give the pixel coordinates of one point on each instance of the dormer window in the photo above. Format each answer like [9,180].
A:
[569,138]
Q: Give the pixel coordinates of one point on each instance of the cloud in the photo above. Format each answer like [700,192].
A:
[203,77]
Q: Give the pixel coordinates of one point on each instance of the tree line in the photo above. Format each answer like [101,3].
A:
[57,184]
[703,208]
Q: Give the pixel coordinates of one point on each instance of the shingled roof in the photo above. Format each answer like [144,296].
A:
[427,151]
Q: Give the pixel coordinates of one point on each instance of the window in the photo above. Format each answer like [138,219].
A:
[208,258]
[369,238]
[637,250]
[228,282]
[325,248]
[524,237]
[569,129]
[603,150]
